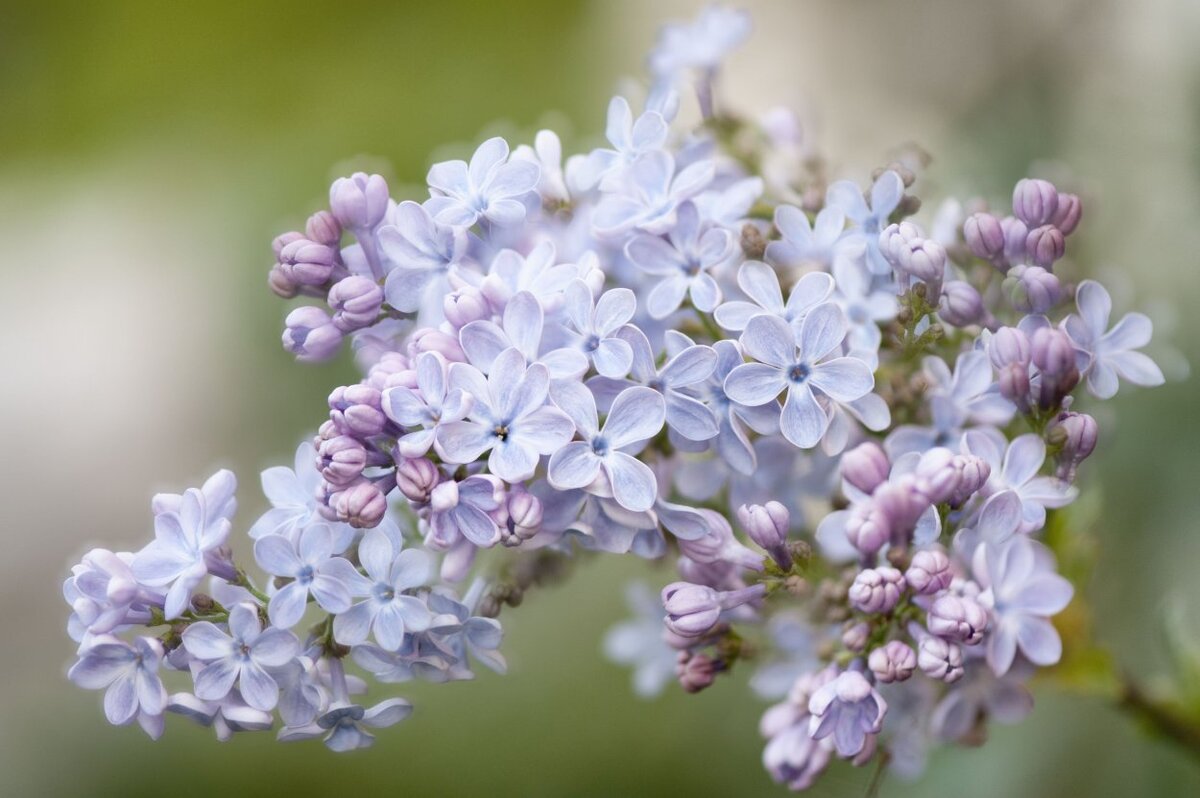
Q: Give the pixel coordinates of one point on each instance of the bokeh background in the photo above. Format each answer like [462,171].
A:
[149,151]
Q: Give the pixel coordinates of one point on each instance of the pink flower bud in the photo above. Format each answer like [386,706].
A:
[465,306]
[323,228]
[1070,210]
[356,410]
[360,201]
[940,659]
[356,301]
[893,662]
[696,671]
[416,478]
[309,334]
[855,637]
[961,304]
[341,460]
[867,528]
[958,618]
[1015,233]
[1032,289]
[865,466]
[692,610]
[361,505]
[1009,345]
[929,572]
[877,590]
[280,284]
[307,262]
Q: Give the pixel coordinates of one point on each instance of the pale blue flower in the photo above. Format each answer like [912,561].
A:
[462,510]
[425,257]
[629,140]
[104,594]
[128,673]
[522,327]
[241,656]
[510,417]
[538,272]
[292,493]
[867,222]
[310,565]
[734,420]
[794,643]
[638,642]
[760,283]
[593,325]
[228,715]
[1016,469]
[340,724]
[980,694]
[546,154]
[804,244]
[649,198]
[683,260]
[729,206]
[798,368]
[848,709]
[489,187]
[428,407]
[1110,353]
[388,610]
[865,304]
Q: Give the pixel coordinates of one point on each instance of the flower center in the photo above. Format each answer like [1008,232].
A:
[501,431]
[305,575]
[799,372]
[592,343]
[384,592]
[599,446]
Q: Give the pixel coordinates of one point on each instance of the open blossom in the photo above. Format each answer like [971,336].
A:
[431,405]
[127,672]
[594,323]
[867,222]
[650,197]
[240,656]
[522,327]
[682,260]
[803,243]
[629,138]
[847,709]
[1110,353]
[760,283]
[310,564]
[387,610]
[1017,469]
[490,186]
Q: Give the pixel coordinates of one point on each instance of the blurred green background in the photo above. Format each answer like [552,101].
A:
[149,152]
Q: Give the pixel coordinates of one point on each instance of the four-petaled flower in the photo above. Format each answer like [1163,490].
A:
[240,656]
[387,611]
[313,570]
[490,187]
[427,408]
[1110,353]
[683,260]
[128,673]
[594,324]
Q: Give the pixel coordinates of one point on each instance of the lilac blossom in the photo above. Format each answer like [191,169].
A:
[313,570]
[798,368]
[629,139]
[426,256]
[638,643]
[1017,469]
[867,222]
[1110,353]
[701,44]
[805,244]
[760,283]
[537,272]
[292,493]
[104,595]
[128,673]
[848,709]
[651,197]
[463,510]
[793,757]
[521,327]
[864,305]
[227,715]
[734,420]
[980,693]
[594,323]
[682,260]
[241,656]
[387,610]
[490,187]
[430,406]
[546,154]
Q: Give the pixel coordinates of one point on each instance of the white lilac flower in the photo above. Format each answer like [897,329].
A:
[292,493]
[510,417]
[803,244]
[593,326]
[227,715]
[301,694]
[700,45]
[867,222]
[428,407]
[760,283]
[313,570]
[629,140]
[546,154]
[104,594]
[461,636]
[798,368]
[537,272]
[179,556]
[220,498]
[686,415]
[128,673]
[240,657]
[1022,591]
[1110,353]
[425,257]
[521,327]
[638,642]
[489,187]
[682,260]
[865,304]
[649,198]
[848,709]
[636,415]
[1017,469]
[387,610]
[732,443]
[729,206]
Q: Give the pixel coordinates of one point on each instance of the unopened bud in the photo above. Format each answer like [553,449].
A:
[362,505]
[893,662]
[929,572]
[1032,289]
[1035,202]
[865,466]
[984,236]
[1044,245]
[360,201]
[356,301]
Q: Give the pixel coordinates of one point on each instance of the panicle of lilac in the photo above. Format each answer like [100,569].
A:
[877,591]
[894,661]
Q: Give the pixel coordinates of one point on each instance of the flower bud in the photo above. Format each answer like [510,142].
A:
[929,572]
[280,284]
[940,659]
[429,339]
[1013,381]
[1054,356]
[893,662]
[958,618]
[356,410]
[1066,218]
[1035,201]
[1009,345]
[306,262]
[913,254]
[282,240]
[356,301]
[464,306]
[310,335]
[692,610]
[361,505]
[973,474]
[524,515]
[416,477]
[1044,245]
[1032,289]
[341,460]
[936,477]
[867,528]
[323,228]
[696,671]
[767,525]
[961,304]
[877,590]
[865,466]
[984,236]
[1015,233]
[360,201]
[1076,434]
[902,502]
[855,636]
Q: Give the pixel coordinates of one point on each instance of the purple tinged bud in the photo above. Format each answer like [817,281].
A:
[866,466]
[958,618]
[309,334]
[940,659]
[341,460]
[913,254]
[696,671]
[1044,245]
[1015,233]
[961,304]
[868,528]
[1032,289]
[416,477]
[323,228]
[361,505]
[524,514]
[929,572]
[306,262]
[1009,345]
[429,339]
[464,306]
[1035,202]
[1052,352]
[877,590]
[282,240]
[280,284]
[1076,434]
[894,662]
[901,501]
[984,236]
[356,301]
[356,410]
[692,610]
[1070,210]
[855,637]
[936,476]
[767,525]
[360,201]
[973,474]
[1013,382]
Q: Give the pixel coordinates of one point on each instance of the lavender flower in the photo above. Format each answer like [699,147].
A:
[432,407]
[847,709]
[760,283]
[489,187]
[593,325]
[388,611]
[649,200]
[310,564]
[1017,469]
[127,673]
[239,657]
[638,642]
[867,222]
[630,139]
[1110,353]
[683,260]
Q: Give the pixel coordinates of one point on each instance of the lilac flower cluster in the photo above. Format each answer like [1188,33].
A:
[627,352]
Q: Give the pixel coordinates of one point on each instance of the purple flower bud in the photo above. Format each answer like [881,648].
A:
[961,304]
[877,590]
[282,240]
[356,410]
[310,335]
[692,610]
[524,515]
[929,572]
[1009,345]
[1013,381]
[416,477]
[767,525]
[1035,201]
[1032,289]
[306,262]
[867,528]
[1051,351]
[973,474]
[356,301]
[696,671]
[360,201]
[855,636]
[914,255]
[958,618]
[893,662]
[341,460]
[464,306]
[280,284]
[902,502]
[1044,245]
[429,339]
[1066,218]
[984,236]
[936,476]
[1076,434]
[865,466]
[361,505]
[323,228]
[940,659]
[1015,233]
